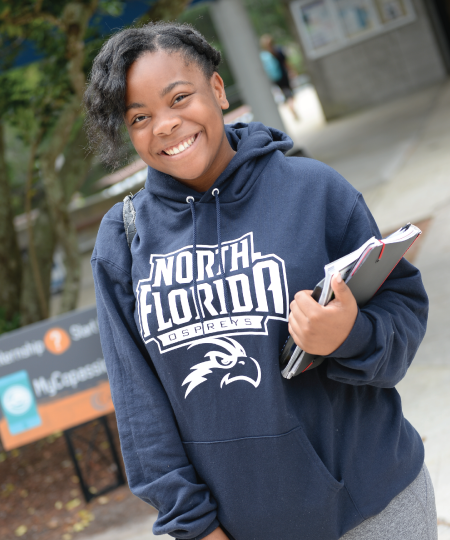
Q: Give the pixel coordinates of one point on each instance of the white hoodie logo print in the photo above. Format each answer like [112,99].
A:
[220,360]
[169,314]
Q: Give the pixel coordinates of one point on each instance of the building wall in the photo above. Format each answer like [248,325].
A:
[380,68]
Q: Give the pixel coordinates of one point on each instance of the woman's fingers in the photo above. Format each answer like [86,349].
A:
[299,317]
[318,329]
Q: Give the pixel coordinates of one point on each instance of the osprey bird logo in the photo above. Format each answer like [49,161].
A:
[220,360]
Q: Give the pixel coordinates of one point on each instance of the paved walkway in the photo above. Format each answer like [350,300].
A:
[425,389]
[140,530]
[398,156]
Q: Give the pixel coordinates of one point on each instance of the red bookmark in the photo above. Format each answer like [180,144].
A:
[382,250]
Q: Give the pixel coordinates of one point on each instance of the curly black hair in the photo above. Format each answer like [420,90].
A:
[104,99]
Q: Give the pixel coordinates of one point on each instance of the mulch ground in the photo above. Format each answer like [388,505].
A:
[40,495]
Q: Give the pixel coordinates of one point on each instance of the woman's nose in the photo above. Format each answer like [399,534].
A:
[166,124]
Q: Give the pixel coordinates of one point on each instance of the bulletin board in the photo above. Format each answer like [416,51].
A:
[326,26]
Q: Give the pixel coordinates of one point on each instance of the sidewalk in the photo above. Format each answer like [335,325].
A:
[425,389]
[398,156]
[141,530]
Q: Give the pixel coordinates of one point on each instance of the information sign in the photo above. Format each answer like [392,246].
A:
[326,26]
[52,377]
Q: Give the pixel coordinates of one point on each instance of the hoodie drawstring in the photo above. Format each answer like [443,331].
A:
[215,192]
[191,201]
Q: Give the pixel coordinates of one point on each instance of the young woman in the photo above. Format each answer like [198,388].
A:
[231,237]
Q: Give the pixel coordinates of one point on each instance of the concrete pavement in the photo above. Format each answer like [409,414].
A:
[425,389]
[398,156]
[139,530]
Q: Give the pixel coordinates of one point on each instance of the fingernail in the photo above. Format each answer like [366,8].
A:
[338,277]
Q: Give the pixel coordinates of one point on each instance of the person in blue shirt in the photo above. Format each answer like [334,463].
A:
[275,65]
[231,236]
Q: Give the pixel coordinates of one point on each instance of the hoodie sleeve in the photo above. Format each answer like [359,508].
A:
[390,327]
[157,467]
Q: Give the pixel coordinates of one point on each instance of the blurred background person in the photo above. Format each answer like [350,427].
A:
[277,69]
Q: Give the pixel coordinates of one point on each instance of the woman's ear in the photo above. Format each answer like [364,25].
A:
[218,88]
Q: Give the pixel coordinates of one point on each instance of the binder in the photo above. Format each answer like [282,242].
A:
[364,270]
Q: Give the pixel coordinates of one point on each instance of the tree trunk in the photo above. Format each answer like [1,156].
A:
[32,253]
[10,260]
[75,18]
[44,242]
[56,199]
[77,162]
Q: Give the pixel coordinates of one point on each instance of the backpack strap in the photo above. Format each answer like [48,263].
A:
[129,217]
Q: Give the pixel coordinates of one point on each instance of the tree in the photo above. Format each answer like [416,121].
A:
[42,104]
[44,107]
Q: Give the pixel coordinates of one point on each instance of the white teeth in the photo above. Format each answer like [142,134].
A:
[181,147]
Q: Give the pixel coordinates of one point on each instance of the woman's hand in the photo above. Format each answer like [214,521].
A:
[217,534]
[318,329]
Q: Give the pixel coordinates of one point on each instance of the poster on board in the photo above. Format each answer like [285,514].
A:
[326,26]
[52,377]
[391,10]
[357,16]
[319,24]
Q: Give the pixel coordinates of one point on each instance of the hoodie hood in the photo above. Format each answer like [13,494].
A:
[251,143]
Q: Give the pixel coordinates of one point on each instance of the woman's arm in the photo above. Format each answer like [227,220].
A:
[376,344]
[157,467]
[386,334]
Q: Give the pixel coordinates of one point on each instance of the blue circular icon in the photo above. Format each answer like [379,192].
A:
[17,399]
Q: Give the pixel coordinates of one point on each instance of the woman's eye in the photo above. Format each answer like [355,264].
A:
[179,98]
[139,119]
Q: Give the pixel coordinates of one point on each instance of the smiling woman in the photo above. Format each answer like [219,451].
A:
[194,308]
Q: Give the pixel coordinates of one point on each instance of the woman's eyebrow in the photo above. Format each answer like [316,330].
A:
[134,106]
[171,86]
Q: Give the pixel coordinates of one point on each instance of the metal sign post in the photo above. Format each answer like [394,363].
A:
[90,491]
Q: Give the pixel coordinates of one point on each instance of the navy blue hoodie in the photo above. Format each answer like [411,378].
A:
[210,432]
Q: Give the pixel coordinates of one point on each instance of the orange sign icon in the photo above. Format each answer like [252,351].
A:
[57,340]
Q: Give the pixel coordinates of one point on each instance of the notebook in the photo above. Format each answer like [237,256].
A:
[364,270]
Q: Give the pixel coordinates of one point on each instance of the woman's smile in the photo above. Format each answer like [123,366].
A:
[175,151]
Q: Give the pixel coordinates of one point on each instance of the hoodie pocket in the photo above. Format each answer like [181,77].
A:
[316,462]
[274,488]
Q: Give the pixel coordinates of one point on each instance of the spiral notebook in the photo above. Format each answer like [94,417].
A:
[364,270]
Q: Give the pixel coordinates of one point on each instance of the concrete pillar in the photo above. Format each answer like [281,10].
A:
[241,45]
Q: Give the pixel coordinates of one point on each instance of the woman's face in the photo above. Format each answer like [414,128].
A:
[174,118]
